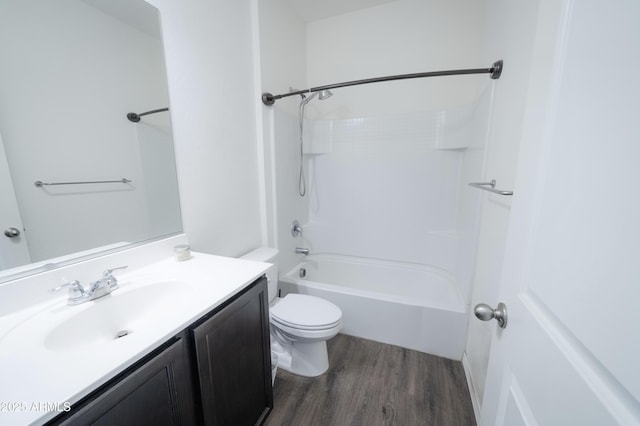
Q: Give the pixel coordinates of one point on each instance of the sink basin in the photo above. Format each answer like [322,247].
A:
[116,316]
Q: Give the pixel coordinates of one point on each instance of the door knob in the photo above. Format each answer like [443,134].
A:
[11,232]
[484,312]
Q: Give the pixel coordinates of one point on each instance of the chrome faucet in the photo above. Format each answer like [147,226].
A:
[302,250]
[97,289]
[77,294]
[296,229]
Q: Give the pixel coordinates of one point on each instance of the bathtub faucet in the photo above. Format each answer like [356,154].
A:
[302,250]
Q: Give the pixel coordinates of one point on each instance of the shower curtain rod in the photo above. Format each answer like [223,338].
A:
[134,118]
[494,72]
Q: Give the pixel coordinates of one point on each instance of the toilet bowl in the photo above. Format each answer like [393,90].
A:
[300,324]
[300,328]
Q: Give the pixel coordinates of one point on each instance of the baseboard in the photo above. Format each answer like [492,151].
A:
[475,401]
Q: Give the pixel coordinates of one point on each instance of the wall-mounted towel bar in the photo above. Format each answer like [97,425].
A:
[40,184]
[491,187]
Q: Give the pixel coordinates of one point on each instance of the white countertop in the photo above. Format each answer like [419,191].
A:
[37,377]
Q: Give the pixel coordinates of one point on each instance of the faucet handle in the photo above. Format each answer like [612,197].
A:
[76,291]
[109,279]
[108,272]
[74,285]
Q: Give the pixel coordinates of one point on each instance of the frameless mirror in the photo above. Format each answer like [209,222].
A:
[71,72]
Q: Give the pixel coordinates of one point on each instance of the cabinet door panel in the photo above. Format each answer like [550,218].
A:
[234,362]
[157,393]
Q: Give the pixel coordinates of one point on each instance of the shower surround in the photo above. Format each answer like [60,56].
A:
[392,189]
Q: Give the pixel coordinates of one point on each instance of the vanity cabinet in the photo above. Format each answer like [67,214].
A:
[215,372]
[234,361]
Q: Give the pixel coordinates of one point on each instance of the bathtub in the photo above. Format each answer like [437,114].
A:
[404,304]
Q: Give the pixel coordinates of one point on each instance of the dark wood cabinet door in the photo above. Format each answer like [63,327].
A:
[159,392]
[234,360]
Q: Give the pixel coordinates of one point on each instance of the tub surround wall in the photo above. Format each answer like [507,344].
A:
[392,184]
[395,187]
[292,206]
[386,192]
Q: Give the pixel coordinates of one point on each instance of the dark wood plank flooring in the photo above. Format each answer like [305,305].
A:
[370,383]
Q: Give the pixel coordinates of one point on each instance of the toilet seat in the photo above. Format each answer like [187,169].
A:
[304,312]
[299,335]
[280,322]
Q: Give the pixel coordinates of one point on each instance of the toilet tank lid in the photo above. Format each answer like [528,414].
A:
[262,254]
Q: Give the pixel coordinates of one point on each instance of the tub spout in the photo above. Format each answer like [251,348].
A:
[302,250]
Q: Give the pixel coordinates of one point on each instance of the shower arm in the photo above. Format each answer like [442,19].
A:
[494,72]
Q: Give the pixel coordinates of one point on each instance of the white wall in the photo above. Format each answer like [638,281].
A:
[401,37]
[510,33]
[159,170]
[283,65]
[283,52]
[210,66]
[62,114]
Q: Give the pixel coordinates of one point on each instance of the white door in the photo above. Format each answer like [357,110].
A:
[571,276]
[13,248]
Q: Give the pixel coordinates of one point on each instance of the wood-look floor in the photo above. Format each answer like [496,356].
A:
[371,383]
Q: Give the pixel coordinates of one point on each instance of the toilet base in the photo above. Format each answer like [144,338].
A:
[308,359]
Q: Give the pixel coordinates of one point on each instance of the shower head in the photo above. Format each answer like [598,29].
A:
[324,94]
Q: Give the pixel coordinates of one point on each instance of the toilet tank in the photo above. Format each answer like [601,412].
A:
[267,255]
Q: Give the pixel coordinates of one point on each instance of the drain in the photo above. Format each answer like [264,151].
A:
[303,272]
[122,333]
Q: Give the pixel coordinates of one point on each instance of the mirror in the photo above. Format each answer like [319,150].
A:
[71,72]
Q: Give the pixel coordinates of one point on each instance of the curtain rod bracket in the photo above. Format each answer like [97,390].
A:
[134,118]
[496,70]
[268,99]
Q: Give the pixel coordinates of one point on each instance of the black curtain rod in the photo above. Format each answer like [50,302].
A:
[494,72]
[134,118]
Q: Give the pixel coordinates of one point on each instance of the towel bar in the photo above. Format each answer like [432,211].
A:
[491,187]
[40,184]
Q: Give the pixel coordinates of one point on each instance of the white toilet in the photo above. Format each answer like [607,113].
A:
[300,324]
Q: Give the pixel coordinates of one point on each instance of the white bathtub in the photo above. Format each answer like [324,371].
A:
[404,304]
